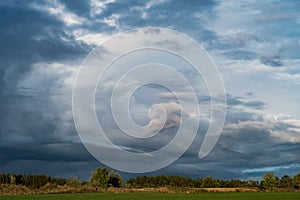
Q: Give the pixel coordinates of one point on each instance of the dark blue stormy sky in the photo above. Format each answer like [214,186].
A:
[255,44]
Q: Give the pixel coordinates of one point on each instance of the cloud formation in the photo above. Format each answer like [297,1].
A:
[43,44]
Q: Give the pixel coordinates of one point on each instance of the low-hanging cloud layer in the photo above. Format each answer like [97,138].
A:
[256,46]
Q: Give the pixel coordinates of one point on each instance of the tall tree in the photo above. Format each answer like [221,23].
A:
[296,181]
[73,182]
[115,180]
[269,181]
[103,178]
[100,177]
[209,182]
[286,182]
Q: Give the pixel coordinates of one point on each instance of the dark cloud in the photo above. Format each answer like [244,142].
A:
[250,146]
[240,54]
[239,39]
[27,117]
[274,62]
[57,169]
[243,54]
[28,36]
[240,101]
[52,152]
[258,105]
[233,101]
[245,145]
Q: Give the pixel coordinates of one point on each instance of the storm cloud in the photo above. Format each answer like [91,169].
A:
[43,44]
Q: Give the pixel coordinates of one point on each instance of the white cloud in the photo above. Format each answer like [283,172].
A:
[49,86]
[148,5]
[152,3]
[112,20]
[59,10]
[291,133]
[91,38]
[252,67]
[288,135]
[271,169]
[97,6]
[282,127]
[285,76]
[160,116]
[248,124]
[58,73]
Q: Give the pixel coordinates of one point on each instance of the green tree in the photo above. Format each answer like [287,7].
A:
[197,182]
[74,182]
[100,177]
[286,182]
[269,181]
[209,182]
[58,181]
[115,180]
[251,183]
[296,181]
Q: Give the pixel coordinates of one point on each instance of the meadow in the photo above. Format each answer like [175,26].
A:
[161,196]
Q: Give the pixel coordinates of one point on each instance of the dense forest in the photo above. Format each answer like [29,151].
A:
[104,178]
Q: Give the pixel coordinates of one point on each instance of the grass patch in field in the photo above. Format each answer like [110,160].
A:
[161,196]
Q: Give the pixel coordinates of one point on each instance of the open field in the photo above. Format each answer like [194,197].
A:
[162,196]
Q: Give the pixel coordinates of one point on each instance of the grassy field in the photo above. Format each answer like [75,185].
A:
[159,196]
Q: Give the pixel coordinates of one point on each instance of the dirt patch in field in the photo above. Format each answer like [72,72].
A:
[231,189]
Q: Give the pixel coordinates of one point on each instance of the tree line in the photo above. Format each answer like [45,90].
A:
[104,178]
[101,177]
[31,180]
[269,181]
[178,181]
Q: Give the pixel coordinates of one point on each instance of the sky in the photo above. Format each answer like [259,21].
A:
[254,44]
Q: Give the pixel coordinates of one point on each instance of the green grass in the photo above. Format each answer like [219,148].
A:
[159,196]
